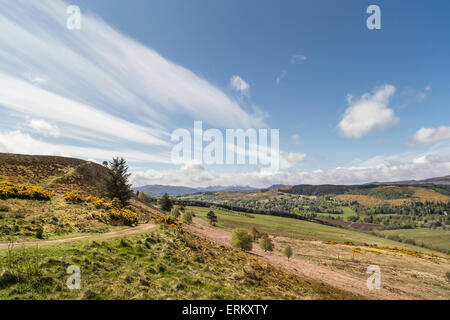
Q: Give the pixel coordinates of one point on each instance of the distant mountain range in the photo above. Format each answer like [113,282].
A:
[157,189]
[438,181]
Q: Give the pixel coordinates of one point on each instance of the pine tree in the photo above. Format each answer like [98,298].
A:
[114,182]
[212,217]
[166,203]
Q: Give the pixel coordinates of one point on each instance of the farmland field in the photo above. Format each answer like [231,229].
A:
[438,238]
[348,212]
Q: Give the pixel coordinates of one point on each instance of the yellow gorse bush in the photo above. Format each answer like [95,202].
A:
[115,213]
[74,197]
[397,251]
[9,190]
[169,221]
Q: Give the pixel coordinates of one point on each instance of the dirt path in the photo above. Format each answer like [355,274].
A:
[97,236]
[299,265]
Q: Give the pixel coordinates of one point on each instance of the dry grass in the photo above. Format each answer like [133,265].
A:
[162,264]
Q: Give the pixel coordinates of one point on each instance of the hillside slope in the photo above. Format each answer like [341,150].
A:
[57,174]
[161,263]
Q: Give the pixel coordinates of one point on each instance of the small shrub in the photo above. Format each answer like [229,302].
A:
[40,233]
[255,233]
[175,212]
[168,221]
[4,208]
[212,218]
[241,239]
[288,252]
[266,243]
[125,243]
[187,216]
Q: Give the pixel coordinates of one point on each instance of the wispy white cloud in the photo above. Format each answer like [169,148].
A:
[431,135]
[240,85]
[23,143]
[43,127]
[280,77]
[368,113]
[290,159]
[423,94]
[35,79]
[30,100]
[296,138]
[297,58]
[97,84]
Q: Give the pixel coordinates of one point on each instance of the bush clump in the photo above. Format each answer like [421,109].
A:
[9,190]
[266,243]
[115,212]
[175,212]
[212,218]
[241,239]
[187,216]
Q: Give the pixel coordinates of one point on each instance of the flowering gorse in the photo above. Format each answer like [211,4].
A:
[9,190]
[115,212]
[168,221]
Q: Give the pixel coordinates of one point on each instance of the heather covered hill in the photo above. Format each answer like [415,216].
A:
[57,174]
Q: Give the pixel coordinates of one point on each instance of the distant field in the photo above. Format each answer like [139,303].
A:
[294,228]
[348,212]
[435,238]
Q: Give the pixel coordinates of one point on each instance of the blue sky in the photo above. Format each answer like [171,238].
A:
[352,104]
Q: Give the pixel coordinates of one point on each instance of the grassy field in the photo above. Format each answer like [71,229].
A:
[161,264]
[432,238]
[348,212]
[295,228]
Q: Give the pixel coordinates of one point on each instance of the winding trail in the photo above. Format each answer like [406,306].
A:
[92,236]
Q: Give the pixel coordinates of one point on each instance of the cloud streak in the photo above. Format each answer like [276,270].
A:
[99,86]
